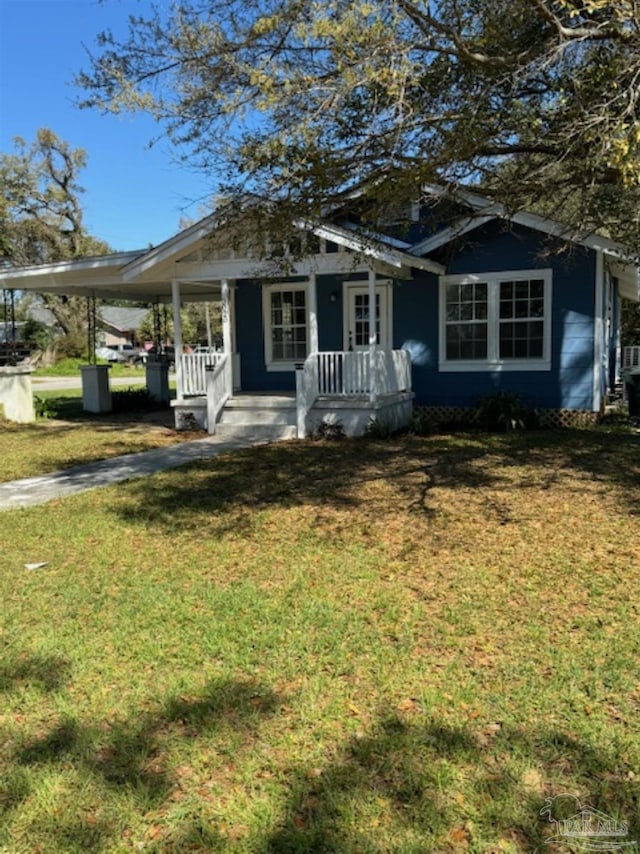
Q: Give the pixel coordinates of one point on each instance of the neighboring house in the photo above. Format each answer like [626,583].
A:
[117,325]
[10,333]
[487,303]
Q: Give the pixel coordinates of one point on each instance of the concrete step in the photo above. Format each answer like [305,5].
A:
[256,432]
[243,410]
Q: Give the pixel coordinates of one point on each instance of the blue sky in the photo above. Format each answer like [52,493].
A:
[134,196]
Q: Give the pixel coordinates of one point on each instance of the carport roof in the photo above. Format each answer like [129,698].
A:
[146,275]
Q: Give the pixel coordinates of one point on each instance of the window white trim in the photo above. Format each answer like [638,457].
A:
[271,364]
[493,362]
[383,287]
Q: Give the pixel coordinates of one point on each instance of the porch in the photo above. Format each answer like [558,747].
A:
[365,380]
[349,388]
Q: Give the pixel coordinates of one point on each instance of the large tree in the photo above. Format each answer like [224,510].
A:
[304,102]
[41,220]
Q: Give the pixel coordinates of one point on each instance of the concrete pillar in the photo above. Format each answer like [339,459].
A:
[157,377]
[16,396]
[96,394]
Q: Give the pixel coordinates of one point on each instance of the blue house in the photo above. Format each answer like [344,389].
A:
[489,302]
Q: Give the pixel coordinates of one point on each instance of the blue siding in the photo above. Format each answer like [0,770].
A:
[569,384]
[250,332]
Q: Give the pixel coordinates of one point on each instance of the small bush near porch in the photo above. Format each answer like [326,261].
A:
[332,647]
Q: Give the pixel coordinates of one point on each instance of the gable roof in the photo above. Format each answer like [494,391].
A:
[122,318]
[622,264]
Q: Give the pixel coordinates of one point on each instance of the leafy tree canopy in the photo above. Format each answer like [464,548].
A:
[305,101]
[41,219]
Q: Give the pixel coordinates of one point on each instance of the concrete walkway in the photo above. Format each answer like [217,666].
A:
[38,490]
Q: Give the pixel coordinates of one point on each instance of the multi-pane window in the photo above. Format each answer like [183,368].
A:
[466,320]
[287,330]
[522,319]
[496,319]
[361,319]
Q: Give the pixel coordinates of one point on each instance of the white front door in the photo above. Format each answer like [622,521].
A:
[356,316]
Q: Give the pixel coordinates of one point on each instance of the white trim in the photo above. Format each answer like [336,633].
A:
[272,365]
[312,310]
[177,337]
[227,345]
[70,265]
[376,251]
[598,330]
[386,332]
[493,363]
[539,223]
[379,236]
[463,226]
[169,248]
[373,335]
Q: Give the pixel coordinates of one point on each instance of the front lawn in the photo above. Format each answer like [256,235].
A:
[74,437]
[401,646]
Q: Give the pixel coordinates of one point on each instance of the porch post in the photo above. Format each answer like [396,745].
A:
[226,318]
[373,379]
[313,314]
[177,336]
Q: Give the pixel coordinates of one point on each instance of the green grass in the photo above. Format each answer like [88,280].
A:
[73,437]
[399,646]
[71,368]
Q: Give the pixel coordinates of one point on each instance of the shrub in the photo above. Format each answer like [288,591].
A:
[504,411]
[134,400]
[420,424]
[332,430]
[377,429]
[45,407]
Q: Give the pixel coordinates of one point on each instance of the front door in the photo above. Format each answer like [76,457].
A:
[356,327]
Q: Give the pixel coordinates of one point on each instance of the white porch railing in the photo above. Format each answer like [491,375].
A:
[219,387]
[194,383]
[345,374]
[630,358]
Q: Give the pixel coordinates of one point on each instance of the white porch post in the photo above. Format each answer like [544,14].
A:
[177,336]
[313,314]
[227,344]
[373,383]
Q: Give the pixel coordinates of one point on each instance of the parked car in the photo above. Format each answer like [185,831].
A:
[107,354]
[122,353]
[207,350]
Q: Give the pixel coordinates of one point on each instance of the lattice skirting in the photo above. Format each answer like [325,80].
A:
[570,418]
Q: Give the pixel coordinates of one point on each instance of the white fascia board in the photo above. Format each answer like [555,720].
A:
[435,241]
[169,249]
[61,268]
[539,223]
[375,235]
[392,257]
[628,277]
